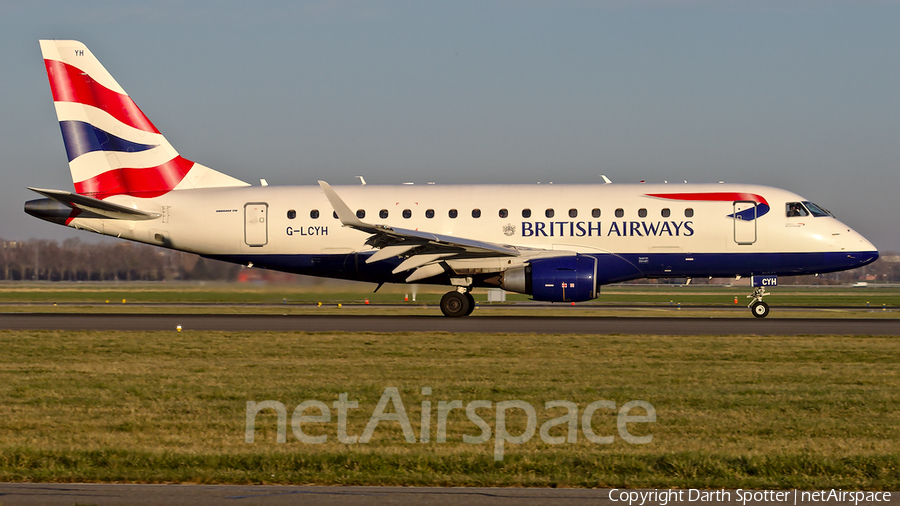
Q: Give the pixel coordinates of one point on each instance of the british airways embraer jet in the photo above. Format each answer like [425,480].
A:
[557,243]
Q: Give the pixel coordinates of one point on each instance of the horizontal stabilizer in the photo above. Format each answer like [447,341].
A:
[97,207]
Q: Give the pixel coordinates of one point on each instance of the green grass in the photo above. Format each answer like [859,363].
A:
[238,293]
[732,411]
[642,300]
[331,309]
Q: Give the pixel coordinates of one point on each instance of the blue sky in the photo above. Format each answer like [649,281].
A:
[800,95]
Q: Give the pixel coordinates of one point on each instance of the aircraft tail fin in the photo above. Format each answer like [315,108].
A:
[112,147]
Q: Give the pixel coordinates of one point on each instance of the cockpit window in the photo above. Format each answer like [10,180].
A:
[795,209]
[816,210]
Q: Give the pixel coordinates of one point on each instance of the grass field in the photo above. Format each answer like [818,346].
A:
[244,293]
[641,300]
[731,411]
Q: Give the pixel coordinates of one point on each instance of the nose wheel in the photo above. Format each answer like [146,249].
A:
[455,304]
[759,308]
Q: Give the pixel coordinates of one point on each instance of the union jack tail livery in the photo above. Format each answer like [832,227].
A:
[113,149]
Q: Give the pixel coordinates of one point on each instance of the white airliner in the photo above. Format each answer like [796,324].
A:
[557,243]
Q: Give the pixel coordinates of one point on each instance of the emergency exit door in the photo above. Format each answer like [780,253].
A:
[744,222]
[256,224]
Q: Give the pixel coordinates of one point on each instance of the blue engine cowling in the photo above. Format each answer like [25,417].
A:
[558,279]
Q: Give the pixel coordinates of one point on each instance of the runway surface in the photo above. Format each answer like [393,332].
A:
[275,495]
[479,324]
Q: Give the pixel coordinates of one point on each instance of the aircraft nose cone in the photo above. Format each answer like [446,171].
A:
[867,246]
[860,251]
[868,253]
[870,256]
[851,240]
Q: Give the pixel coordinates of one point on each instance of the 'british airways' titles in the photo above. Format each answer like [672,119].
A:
[613,229]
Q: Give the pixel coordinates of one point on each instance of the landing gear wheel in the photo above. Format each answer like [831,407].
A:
[455,304]
[471,303]
[759,309]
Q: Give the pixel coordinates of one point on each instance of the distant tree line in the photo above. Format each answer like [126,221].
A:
[76,260]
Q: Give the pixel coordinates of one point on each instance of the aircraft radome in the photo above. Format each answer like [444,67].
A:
[557,243]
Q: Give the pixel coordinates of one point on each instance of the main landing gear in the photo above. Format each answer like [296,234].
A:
[458,303]
[759,308]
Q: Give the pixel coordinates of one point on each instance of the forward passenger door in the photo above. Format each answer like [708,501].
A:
[744,222]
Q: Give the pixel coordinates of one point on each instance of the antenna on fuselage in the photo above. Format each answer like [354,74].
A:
[362,180]
[605,179]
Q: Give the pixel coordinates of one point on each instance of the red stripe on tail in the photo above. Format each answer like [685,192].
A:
[146,183]
[70,84]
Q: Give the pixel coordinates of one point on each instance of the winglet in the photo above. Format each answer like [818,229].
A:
[348,218]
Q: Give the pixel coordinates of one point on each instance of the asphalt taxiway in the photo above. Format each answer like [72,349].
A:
[175,495]
[475,324]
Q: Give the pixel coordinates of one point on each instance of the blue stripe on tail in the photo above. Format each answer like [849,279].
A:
[81,138]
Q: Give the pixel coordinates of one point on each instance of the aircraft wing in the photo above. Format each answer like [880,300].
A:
[95,206]
[424,250]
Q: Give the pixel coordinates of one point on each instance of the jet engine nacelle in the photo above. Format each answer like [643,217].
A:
[557,279]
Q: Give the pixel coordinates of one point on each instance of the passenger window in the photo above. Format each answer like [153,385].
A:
[314,214]
[689,213]
[573,213]
[407,214]
[429,213]
[453,213]
[292,214]
[526,213]
[795,209]
[361,214]
[549,213]
[666,212]
[476,213]
[504,213]
[642,213]
[595,213]
[383,214]
[620,213]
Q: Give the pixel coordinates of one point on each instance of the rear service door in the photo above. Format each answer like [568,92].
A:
[256,223]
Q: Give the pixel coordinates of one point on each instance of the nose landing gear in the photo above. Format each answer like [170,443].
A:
[759,308]
[458,303]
